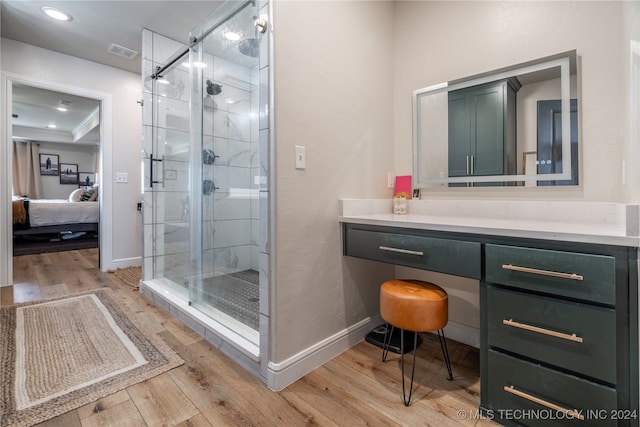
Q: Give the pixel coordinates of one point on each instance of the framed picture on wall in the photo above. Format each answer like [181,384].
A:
[49,164]
[86,179]
[68,173]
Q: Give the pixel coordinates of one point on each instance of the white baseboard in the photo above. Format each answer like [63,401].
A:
[124,263]
[288,371]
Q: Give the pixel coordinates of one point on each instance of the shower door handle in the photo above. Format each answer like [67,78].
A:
[151,180]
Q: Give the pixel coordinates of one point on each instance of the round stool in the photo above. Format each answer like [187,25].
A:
[416,306]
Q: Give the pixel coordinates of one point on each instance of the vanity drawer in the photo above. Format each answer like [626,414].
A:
[518,388]
[442,255]
[543,328]
[576,275]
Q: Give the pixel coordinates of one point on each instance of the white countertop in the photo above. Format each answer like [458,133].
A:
[585,222]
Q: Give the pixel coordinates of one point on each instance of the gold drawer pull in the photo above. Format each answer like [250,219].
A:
[572,337]
[402,251]
[571,412]
[572,276]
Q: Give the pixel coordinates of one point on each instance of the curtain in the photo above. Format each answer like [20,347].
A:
[26,170]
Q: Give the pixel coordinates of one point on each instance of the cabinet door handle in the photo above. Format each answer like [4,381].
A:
[468,167]
[402,251]
[572,276]
[570,337]
[473,167]
[570,412]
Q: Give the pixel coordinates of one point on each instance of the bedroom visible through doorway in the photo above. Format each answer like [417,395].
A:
[105,99]
[56,170]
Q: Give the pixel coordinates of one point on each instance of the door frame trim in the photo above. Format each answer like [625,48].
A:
[6,164]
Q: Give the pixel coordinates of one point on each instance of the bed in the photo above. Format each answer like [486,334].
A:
[78,213]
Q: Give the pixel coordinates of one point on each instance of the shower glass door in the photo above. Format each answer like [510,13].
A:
[168,179]
[224,67]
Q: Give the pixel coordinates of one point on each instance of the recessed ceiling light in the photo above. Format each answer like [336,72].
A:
[51,126]
[230,35]
[63,109]
[56,13]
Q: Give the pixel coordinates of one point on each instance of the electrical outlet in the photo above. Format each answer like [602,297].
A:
[122,177]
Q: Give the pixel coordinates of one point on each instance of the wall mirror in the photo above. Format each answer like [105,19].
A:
[501,128]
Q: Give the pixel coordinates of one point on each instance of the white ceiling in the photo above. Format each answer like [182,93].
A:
[96,24]
[36,110]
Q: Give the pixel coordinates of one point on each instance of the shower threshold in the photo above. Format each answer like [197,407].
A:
[215,326]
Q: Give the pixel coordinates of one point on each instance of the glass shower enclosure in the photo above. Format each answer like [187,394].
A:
[203,171]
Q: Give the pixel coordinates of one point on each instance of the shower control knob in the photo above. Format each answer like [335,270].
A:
[261,24]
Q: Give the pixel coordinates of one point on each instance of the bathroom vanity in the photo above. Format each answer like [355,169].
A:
[558,299]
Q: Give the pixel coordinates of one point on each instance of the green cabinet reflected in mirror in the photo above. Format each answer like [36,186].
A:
[490,129]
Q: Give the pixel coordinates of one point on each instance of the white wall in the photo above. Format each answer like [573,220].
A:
[440,41]
[333,95]
[437,41]
[631,70]
[344,74]
[124,87]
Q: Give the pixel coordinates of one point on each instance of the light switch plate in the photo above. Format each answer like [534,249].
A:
[301,160]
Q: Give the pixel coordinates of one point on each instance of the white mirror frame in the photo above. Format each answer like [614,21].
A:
[562,60]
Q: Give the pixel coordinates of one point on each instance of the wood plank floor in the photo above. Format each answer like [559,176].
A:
[354,389]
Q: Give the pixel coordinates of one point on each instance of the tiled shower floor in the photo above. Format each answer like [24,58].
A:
[235,294]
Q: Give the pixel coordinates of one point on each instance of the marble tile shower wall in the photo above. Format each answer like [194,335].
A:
[230,129]
[230,214]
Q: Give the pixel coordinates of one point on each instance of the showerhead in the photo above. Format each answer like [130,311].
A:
[249,47]
[213,88]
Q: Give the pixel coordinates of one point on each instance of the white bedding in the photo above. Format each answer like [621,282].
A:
[54,212]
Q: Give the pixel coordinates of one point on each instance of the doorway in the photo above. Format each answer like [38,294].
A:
[549,140]
[103,162]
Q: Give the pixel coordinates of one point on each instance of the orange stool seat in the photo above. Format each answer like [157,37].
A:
[414,305]
[417,306]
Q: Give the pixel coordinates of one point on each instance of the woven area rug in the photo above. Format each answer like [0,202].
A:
[130,275]
[60,354]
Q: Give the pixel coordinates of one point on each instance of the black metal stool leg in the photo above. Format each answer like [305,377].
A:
[405,400]
[445,353]
[386,344]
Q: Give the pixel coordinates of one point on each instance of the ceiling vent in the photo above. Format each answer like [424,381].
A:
[122,51]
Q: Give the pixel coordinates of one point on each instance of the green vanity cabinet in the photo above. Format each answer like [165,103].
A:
[518,385]
[564,333]
[482,129]
[553,272]
[558,333]
[411,250]
[558,319]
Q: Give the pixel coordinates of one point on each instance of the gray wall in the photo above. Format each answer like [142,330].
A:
[343,89]
[333,95]
[83,156]
[438,41]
